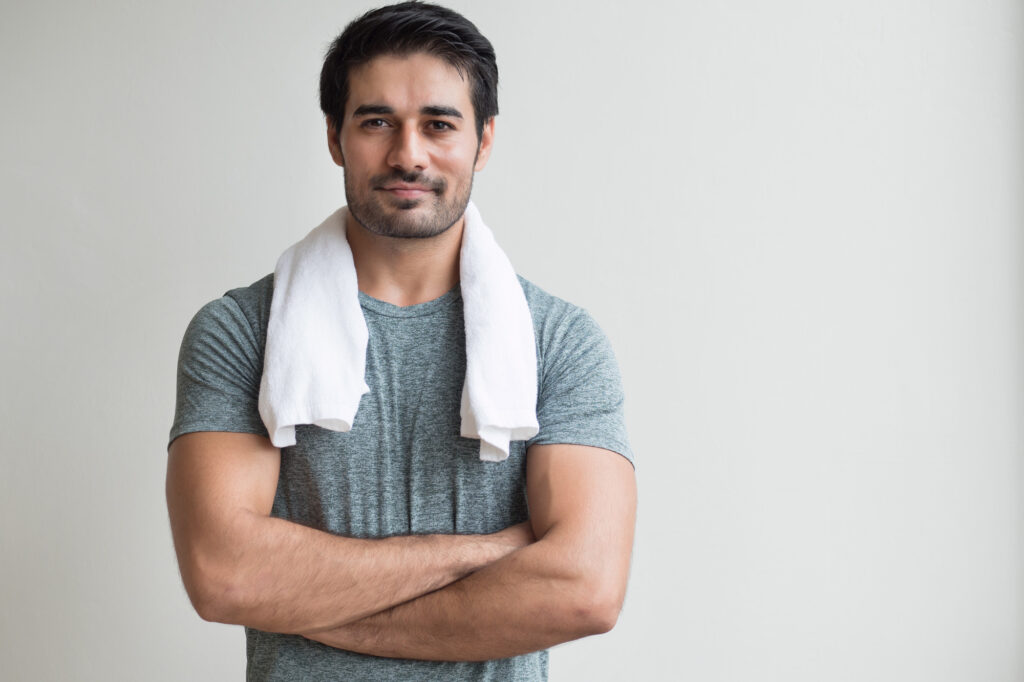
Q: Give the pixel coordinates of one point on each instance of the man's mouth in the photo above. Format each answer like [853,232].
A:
[408,186]
[407,191]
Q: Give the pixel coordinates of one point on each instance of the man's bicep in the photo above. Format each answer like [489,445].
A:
[212,478]
[583,499]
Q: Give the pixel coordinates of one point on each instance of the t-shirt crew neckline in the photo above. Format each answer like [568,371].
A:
[417,310]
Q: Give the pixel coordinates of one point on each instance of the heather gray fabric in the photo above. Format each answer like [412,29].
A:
[403,468]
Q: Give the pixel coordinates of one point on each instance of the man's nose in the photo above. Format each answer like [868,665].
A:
[408,150]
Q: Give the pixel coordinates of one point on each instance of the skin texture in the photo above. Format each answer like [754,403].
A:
[409,146]
[380,151]
[460,597]
[567,585]
[240,565]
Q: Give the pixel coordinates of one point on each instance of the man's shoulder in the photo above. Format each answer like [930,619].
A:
[254,302]
[554,318]
[242,312]
[544,304]
[556,321]
[254,296]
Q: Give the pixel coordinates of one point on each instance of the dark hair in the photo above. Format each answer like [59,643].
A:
[405,29]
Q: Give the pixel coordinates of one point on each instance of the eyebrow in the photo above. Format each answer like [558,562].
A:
[429,110]
[434,110]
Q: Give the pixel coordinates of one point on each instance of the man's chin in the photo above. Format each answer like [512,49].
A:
[416,229]
[407,204]
[400,223]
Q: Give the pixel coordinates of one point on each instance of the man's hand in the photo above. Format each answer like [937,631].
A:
[241,566]
[568,584]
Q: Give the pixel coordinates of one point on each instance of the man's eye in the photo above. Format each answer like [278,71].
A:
[439,126]
[374,123]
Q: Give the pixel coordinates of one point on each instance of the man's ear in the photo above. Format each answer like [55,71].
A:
[486,142]
[334,142]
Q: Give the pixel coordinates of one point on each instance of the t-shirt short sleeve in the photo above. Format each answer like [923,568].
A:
[219,369]
[580,398]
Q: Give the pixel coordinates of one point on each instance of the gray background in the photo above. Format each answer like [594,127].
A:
[799,223]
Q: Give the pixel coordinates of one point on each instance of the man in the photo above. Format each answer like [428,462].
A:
[391,551]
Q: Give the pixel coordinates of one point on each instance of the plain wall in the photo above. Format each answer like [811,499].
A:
[800,224]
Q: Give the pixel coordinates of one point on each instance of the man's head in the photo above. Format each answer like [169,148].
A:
[409,95]
[405,29]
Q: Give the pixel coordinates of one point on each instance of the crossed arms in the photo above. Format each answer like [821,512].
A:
[558,577]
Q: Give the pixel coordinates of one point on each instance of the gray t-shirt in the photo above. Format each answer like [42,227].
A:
[403,468]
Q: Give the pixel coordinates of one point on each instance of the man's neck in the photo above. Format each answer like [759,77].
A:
[405,271]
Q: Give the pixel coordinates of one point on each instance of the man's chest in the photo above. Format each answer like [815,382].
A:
[403,468]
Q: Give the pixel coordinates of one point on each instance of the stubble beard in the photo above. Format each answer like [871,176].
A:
[387,218]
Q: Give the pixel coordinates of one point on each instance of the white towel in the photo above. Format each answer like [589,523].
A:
[315,357]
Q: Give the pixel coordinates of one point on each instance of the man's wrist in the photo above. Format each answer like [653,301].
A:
[476,551]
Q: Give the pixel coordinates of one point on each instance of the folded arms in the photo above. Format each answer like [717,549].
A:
[433,597]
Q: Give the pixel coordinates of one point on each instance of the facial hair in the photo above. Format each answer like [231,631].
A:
[383,216]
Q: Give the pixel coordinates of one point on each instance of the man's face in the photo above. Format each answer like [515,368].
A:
[408,144]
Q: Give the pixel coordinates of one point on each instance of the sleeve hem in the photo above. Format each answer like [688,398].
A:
[212,426]
[618,447]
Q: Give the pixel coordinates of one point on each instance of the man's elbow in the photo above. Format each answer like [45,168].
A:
[215,608]
[210,609]
[601,604]
[214,592]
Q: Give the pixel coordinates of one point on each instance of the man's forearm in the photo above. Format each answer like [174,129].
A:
[569,584]
[240,565]
[530,600]
[284,577]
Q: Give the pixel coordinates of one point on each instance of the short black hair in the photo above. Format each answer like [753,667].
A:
[405,29]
